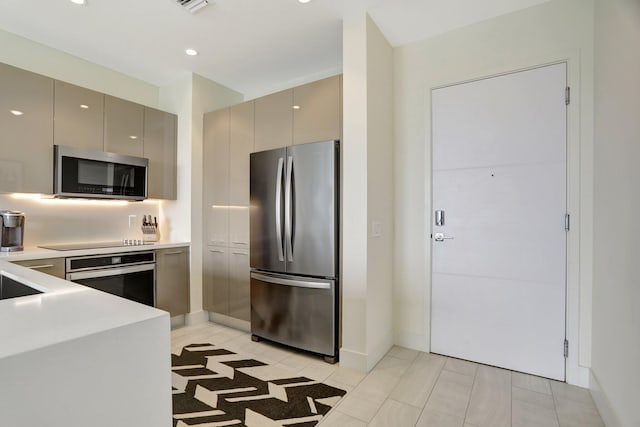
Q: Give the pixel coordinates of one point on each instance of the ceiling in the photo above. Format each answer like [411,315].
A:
[251,46]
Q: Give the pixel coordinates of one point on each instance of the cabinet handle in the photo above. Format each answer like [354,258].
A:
[213,242]
[239,243]
[218,251]
[240,253]
[173,253]
[34,267]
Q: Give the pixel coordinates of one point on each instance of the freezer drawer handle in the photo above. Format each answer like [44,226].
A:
[288,282]
[278,203]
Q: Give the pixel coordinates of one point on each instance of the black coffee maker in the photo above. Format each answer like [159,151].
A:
[12,227]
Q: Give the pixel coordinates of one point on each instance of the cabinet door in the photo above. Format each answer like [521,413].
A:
[160,147]
[240,146]
[239,226]
[78,117]
[215,268]
[51,266]
[239,285]
[26,131]
[318,115]
[172,280]
[274,120]
[216,176]
[123,126]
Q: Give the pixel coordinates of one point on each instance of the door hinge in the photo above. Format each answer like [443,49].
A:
[567,95]
[567,222]
[566,348]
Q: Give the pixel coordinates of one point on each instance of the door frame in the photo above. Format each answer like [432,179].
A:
[579,202]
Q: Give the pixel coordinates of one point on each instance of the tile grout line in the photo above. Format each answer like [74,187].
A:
[432,388]
[466,411]
[555,407]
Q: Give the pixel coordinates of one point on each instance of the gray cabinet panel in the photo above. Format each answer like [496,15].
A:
[241,131]
[160,148]
[239,285]
[318,118]
[26,124]
[274,120]
[123,126]
[215,267]
[172,280]
[52,266]
[78,117]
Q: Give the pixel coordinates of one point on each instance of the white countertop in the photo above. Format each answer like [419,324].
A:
[39,253]
[65,310]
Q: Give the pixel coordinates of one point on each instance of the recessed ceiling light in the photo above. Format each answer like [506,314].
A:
[84,106]
[133,137]
[191,52]
[304,1]
[16,112]
[296,107]
[83,2]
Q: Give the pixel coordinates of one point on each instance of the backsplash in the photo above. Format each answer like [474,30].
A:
[52,221]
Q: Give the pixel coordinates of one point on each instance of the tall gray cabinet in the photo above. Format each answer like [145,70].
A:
[230,135]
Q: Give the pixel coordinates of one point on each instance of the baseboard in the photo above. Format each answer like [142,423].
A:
[195,318]
[364,362]
[231,322]
[412,341]
[602,403]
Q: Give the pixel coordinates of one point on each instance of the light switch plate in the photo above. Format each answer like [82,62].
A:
[376,229]
[133,221]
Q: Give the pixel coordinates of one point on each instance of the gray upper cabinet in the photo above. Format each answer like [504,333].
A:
[26,131]
[241,133]
[274,120]
[172,280]
[123,126]
[160,148]
[78,117]
[318,113]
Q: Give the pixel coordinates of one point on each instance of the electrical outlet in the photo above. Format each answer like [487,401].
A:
[133,221]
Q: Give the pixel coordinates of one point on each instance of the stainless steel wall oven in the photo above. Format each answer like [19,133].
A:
[129,275]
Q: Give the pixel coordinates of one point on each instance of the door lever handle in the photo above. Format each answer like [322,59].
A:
[440,237]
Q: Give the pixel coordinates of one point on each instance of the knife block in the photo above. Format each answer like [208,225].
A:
[150,233]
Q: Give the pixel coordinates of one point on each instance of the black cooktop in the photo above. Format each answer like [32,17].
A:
[91,245]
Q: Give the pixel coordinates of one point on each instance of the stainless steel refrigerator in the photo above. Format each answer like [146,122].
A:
[294,246]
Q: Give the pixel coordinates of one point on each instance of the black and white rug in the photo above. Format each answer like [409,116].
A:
[216,387]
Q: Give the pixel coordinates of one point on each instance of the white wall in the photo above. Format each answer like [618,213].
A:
[366,194]
[616,292]
[560,30]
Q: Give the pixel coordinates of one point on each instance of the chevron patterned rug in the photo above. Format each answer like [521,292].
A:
[216,387]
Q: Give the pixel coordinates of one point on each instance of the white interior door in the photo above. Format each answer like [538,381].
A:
[499,175]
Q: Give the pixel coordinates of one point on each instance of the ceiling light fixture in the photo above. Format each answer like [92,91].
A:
[191,52]
[303,1]
[80,2]
[16,112]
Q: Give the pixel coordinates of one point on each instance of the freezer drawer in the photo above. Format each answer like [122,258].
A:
[295,311]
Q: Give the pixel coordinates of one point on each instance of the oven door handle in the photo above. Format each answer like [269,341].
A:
[108,272]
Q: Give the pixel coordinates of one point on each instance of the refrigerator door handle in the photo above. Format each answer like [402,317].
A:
[289,282]
[278,207]
[288,214]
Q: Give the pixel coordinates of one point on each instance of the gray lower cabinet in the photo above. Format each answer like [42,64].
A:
[78,117]
[160,148]
[26,131]
[226,283]
[172,280]
[52,266]
[123,126]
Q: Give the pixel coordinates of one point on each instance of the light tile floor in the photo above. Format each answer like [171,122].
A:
[411,388]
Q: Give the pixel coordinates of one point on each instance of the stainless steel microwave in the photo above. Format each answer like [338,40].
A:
[95,174]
